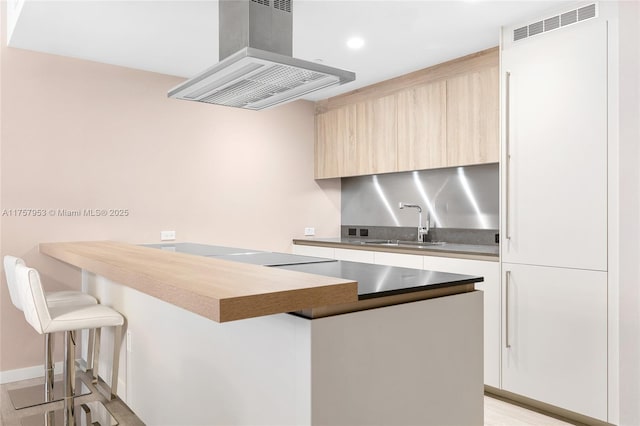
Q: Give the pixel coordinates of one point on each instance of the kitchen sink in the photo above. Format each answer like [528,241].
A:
[364,242]
[422,243]
[399,243]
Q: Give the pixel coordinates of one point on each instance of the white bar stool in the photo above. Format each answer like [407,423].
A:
[68,319]
[33,395]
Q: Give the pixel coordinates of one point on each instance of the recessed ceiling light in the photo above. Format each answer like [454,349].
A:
[355,42]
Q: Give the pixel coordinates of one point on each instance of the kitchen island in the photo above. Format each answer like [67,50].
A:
[399,350]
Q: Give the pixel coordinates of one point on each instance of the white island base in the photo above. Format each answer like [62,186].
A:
[417,363]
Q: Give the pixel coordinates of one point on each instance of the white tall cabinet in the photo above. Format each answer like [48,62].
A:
[554,215]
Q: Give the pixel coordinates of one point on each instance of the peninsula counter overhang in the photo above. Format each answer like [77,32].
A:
[216,289]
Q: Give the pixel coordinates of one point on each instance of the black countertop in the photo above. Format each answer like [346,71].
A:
[380,280]
[373,280]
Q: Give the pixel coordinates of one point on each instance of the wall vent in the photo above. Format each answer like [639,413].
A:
[284,5]
[554,22]
[536,28]
[587,12]
[569,18]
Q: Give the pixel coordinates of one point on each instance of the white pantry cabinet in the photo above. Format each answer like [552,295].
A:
[555,336]
[555,148]
[554,210]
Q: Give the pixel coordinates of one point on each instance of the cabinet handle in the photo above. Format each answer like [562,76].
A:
[507,343]
[507,138]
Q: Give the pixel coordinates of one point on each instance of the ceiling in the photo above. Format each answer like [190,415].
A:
[181,37]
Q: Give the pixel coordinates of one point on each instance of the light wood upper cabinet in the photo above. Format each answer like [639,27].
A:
[422,142]
[376,135]
[442,116]
[472,118]
[335,143]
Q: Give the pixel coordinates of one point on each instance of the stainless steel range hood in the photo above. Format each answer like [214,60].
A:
[256,70]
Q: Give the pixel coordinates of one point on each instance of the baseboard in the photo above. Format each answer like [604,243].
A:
[544,408]
[10,376]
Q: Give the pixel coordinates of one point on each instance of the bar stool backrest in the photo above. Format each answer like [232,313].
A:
[34,302]
[10,263]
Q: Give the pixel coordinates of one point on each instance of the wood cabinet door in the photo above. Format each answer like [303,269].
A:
[376,135]
[473,118]
[335,143]
[555,336]
[422,127]
[443,121]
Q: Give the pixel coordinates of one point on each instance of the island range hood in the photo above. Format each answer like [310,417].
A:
[256,69]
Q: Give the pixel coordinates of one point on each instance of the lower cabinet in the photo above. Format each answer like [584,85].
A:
[362,256]
[316,251]
[490,288]
[398,259]
[545,328]
[555,336]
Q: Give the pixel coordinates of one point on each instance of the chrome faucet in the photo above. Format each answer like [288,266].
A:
[422,230]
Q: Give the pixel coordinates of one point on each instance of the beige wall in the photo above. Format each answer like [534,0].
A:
[78,134]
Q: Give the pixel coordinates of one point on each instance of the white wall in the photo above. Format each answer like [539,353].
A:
[629,211]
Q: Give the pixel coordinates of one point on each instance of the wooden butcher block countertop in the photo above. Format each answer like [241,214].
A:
[216,289]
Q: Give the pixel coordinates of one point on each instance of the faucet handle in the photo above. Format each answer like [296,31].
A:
[423,231]
[402,205]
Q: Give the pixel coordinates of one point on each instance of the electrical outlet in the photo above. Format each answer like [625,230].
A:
[309,232]
[167,235]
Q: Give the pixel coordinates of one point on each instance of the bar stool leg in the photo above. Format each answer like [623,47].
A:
[117,342]
[90,350]
[96,356]
[49,367]
[49,418]
[69,378]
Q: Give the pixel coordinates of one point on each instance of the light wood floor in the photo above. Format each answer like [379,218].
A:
[501,413]
[496,412]
[12,417]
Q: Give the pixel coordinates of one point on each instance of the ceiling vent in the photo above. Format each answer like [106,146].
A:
[256,69]
[555,22]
